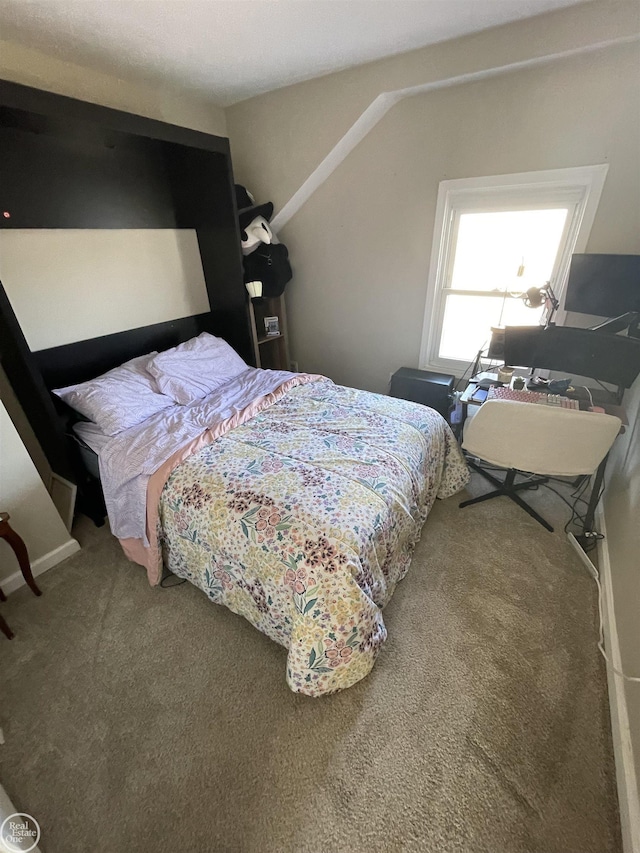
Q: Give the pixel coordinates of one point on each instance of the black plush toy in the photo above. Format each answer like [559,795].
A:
[265,259]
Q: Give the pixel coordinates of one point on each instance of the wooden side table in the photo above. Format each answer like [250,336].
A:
[6,630]
[20,550]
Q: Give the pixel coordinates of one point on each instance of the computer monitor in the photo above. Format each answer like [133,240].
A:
[603,285]
[582,352]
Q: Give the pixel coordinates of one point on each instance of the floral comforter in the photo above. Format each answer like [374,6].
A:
[304,519]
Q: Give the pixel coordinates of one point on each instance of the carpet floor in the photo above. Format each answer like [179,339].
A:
[147,720]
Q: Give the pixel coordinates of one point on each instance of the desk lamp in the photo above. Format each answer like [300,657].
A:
[537,296]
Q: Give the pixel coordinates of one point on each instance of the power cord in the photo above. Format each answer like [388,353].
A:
[477,360]
[578,518]
[470,367]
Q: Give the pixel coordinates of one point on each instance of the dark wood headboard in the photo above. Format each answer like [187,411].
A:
[77,362]
[65,163]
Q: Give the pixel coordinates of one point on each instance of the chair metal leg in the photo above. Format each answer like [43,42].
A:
[486,474]
[525,506]
[526,484]
[486,497]
[509,489]
[530,484]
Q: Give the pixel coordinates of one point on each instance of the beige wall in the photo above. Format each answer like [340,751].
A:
[30,67]
[25,430]
[24,497]
[279,138]
[360,245]
[622,511]
[617,229]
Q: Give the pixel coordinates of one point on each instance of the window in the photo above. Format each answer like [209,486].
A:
[494,239]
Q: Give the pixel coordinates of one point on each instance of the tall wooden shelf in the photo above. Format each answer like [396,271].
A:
[270,351]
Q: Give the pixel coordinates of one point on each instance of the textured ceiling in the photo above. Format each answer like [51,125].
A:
[229,50]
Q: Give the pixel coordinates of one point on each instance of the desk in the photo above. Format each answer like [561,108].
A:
[584,397]
[597,394]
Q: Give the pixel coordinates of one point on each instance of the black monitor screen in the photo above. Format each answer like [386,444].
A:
[603,285]
[583,352]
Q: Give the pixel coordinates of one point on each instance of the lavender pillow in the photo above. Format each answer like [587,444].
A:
[119,399]
[192,370]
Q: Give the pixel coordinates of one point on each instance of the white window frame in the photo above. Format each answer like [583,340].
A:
[579,188]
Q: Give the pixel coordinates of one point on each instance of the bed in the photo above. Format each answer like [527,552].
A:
[291,500]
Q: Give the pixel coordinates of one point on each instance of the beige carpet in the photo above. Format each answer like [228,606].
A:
[150,720]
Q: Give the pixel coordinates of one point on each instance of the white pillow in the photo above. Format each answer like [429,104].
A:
[119,399]
[192,370]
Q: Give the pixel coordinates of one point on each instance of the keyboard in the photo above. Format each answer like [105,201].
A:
[556,400]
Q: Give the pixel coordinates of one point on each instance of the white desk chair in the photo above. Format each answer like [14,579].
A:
[537,439]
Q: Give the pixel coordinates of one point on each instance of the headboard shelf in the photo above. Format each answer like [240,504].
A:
[77,362]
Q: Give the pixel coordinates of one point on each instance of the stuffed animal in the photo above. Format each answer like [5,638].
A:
[264,258]
[256,232]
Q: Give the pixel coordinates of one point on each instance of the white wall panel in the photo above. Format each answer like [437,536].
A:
[70,285]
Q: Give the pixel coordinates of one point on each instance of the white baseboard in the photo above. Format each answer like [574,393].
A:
[622,744]
[42,564]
